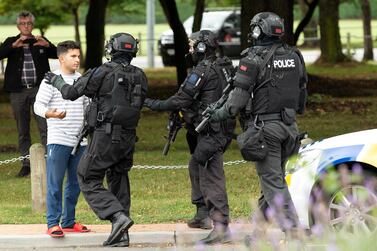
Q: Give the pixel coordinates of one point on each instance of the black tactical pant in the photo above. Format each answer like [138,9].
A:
[113,159]
[208,178]
[281,141]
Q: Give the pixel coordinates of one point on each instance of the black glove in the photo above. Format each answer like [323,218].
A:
[49,76]
[149,103]
[56,81]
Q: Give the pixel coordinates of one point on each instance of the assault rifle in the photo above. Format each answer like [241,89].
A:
[82,134]
[207,113]
[174,124]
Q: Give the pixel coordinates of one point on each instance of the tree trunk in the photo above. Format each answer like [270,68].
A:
[95,33]
[284,8]
[331,47]
[76,24]
[180,37]
[311,33]
[248,9]
[198,15]
[368,43]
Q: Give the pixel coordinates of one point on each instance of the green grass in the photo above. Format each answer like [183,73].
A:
[164,195]
[345,71]
[157,195]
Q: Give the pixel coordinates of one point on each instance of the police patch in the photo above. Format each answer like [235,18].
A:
[243,68]
[193,79]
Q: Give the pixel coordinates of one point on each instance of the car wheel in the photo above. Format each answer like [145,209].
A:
[353,209]
[350,207]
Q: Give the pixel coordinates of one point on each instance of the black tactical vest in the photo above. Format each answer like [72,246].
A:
[120,95]
[208,92]
[278,83]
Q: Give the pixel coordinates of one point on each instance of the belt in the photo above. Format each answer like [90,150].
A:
[258,120]
[268,117]
[107,127]
[28,86]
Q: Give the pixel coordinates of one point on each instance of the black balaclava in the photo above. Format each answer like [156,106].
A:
[121,57]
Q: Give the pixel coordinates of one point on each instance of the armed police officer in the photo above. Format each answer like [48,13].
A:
[203,86]
[272,78]
[117,90]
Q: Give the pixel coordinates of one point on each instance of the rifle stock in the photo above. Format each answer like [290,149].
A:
[207,113]
[174,125]
[82,134]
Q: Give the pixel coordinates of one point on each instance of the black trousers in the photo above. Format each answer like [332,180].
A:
[22,104]
[281,141]
[102,157]
[208,178]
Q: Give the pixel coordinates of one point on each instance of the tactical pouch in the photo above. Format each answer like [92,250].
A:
[253,145]
[91,113]
[288,116]
[126,116]
[136,97]
[206,148]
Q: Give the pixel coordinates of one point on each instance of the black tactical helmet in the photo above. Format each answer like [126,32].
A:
[202,40]
[122,42]
[267,23]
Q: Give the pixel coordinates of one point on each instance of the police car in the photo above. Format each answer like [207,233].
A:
[339,172]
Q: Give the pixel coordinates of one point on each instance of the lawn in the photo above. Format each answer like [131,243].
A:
[164,195]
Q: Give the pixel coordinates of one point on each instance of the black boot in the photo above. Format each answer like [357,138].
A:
[219,235]
[24,171]
[201,219]
[120,224]
[123,242]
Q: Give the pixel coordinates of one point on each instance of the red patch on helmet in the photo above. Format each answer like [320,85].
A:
[243,68]
[128,46]
[278,30]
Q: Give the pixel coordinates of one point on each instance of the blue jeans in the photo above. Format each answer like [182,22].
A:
[60,161]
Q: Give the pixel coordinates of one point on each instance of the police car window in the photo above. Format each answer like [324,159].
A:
[211,20]
[234,21]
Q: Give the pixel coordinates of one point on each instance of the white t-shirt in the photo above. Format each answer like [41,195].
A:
[61,131]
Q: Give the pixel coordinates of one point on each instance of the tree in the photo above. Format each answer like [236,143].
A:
[180,37]
[307,9]
[95,33]
[331,47]
[248,9]
[198,15]
[283,8]
[72,6]
[45,12]
[368,43]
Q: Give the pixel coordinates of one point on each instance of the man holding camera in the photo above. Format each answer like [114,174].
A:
[27,63]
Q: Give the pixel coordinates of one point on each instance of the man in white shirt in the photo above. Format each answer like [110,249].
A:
[64,120]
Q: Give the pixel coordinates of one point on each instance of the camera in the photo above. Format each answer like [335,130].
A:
[30,41]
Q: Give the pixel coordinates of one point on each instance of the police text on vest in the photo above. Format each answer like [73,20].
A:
[286,63]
